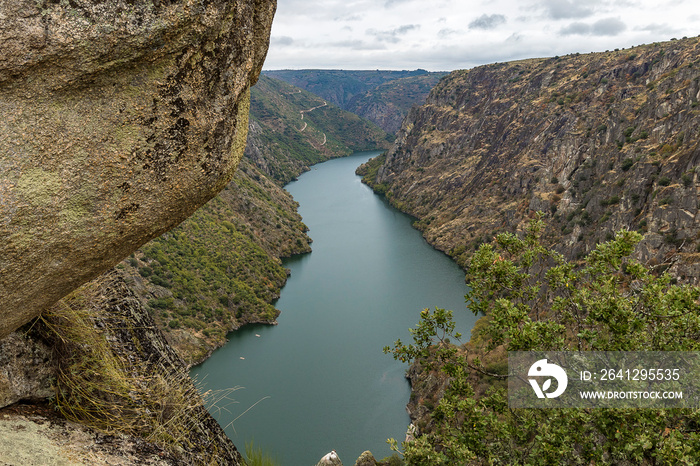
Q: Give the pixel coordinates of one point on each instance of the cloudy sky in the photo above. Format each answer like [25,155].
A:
[445,35]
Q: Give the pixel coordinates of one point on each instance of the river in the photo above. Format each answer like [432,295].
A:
[320,379]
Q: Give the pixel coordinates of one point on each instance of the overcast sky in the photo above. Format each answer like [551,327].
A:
[443,35]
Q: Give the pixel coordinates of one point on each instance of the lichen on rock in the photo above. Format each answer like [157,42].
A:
[119,120]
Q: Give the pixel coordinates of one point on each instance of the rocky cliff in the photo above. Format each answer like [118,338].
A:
[119,119]
[388,104]
[599,142]
[99,357]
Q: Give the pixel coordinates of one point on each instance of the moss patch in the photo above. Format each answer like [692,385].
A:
[40,187]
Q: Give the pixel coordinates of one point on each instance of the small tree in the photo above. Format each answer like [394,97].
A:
[532,298]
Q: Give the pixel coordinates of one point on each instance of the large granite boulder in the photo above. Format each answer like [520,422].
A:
[119,119]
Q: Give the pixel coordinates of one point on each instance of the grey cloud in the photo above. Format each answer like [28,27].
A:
[444,33]
[656,28]
[281,40]
[392,35]
[608,27]
[356,45]
[406,28]
[576,29]
[603,27]
[515,37]
[487,22]
[565,9]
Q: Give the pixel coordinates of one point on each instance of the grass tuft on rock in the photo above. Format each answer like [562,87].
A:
[111,380]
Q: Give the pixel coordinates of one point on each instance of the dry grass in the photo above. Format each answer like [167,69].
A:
[117,392]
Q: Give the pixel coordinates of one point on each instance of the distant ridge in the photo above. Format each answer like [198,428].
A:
[292,129]
[381,96]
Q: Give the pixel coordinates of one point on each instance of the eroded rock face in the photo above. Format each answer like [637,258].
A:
[26,369]
[119,119]
[39,361]
[599,142]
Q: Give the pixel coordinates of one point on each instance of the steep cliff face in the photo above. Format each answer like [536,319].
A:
[599,142]
[119,119]
[388,104]
[100,358]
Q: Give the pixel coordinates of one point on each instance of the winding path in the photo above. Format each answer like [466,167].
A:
[312,109]
[302,112]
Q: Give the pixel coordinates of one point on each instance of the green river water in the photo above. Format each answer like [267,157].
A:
[320,379]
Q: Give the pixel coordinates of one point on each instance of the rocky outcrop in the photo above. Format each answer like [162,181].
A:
[388,104]
[109,371]
[119,119]
[385,114]
[366,459]
[427,388]
[600,142]
[330,459]
[34,435]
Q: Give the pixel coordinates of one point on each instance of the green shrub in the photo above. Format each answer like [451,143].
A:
[687,179]
[667,149]
[536,300]
[161,303]
[612,200]
[157,280]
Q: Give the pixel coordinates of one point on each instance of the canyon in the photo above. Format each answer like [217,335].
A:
[108,147]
